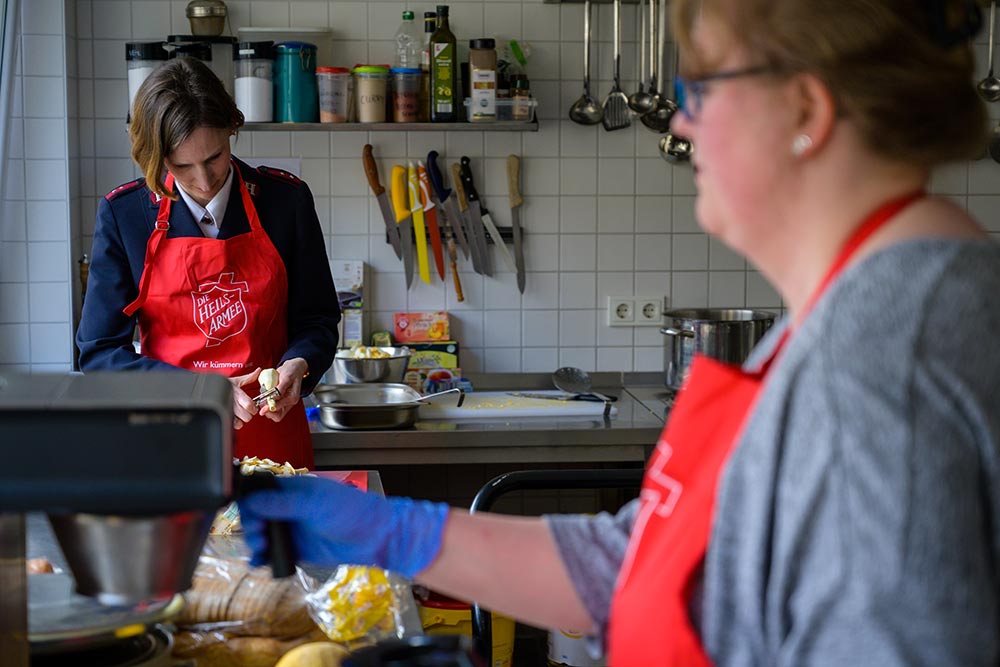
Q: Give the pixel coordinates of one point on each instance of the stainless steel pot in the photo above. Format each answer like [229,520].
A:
[725,334]
[372,406]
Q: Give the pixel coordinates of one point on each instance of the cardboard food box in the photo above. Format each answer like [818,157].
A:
[431,362]
[420,327]
[349,280]
[433,355]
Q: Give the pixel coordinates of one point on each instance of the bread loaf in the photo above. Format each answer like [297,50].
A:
[248,602]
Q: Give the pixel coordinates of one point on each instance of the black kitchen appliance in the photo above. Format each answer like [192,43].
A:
[129,467]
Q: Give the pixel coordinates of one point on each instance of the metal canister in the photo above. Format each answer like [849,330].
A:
[296,97]
[724,334]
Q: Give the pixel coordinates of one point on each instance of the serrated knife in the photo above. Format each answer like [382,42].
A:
[371,173]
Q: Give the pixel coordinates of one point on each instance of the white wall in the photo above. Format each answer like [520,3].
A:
[604,215]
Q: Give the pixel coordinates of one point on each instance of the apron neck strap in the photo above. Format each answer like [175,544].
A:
[871,224]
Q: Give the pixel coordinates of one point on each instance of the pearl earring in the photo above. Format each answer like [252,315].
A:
[801,144]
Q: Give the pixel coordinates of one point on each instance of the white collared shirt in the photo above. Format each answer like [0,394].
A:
[215,211]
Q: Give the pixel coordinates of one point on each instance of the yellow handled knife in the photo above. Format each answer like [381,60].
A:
[419,230]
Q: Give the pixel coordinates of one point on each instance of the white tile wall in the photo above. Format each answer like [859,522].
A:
[603,214]
[35,229]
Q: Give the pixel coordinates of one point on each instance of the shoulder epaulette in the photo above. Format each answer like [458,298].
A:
[280,174]
[127,187]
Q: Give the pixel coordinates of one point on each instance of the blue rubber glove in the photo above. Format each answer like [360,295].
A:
[333,523]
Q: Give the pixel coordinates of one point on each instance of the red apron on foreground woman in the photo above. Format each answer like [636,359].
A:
[222,266]
[834,501]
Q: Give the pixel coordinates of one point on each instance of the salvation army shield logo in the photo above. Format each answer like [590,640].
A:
[218,308]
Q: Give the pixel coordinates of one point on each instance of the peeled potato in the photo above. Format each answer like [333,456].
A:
[314,654]
[268,380]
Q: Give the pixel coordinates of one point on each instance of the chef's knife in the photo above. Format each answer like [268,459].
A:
[477,240]
[483,213]
[430,218]
[419,231]
[399,205]
[514,194]
[595,398]
[371,172]
[447,199]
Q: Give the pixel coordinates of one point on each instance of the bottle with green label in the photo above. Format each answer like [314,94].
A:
[444,67]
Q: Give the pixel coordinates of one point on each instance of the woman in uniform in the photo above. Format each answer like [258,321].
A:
[835,501]
[222,266]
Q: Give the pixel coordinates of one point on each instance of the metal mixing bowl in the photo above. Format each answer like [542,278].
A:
[355,371]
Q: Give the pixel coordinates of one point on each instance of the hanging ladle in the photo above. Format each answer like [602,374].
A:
[586,110]
[658,120]
[989,88]
[639,101]
[674,148]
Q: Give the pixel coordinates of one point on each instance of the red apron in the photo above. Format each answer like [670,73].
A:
[220,306]
[666,551]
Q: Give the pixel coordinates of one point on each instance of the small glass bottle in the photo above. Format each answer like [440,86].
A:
[520,94]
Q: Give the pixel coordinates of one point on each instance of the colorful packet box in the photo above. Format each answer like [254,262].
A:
[420,327]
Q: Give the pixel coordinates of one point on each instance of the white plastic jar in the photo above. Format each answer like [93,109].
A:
[253,64]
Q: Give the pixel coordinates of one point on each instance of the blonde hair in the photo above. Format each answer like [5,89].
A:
[179,97]
[901,70]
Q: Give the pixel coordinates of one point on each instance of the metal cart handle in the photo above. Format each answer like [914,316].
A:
[590,478]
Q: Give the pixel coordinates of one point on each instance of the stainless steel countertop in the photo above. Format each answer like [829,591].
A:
[628,436]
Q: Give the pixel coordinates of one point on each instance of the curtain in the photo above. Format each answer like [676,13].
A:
[9,13]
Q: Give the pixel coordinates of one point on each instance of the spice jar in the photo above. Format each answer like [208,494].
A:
[406,94]
[482,80]
[520,95]
[254,86]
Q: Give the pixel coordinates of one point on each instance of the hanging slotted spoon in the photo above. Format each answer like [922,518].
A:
[616,113]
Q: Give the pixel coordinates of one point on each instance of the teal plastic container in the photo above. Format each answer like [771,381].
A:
[296,99]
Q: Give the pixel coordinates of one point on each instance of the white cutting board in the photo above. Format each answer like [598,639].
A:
[501,405]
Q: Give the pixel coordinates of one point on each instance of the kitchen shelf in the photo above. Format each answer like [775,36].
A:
[494,126]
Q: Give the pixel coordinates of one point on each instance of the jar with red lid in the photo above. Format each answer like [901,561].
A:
[334,85]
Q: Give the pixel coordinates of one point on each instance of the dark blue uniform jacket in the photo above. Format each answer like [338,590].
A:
[125,219]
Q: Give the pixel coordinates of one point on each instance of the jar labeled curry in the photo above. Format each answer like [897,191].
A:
[370,91]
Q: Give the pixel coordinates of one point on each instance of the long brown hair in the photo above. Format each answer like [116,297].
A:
[901,70]
[179,97]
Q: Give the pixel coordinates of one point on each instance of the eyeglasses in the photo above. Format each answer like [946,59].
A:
[689,92]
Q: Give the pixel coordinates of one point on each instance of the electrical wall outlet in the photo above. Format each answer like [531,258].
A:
[635,311]
[621,311]
[648,311]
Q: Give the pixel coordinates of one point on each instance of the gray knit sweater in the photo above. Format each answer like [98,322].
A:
[858,519]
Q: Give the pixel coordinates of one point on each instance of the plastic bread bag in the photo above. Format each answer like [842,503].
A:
[227,595]
[358,605]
